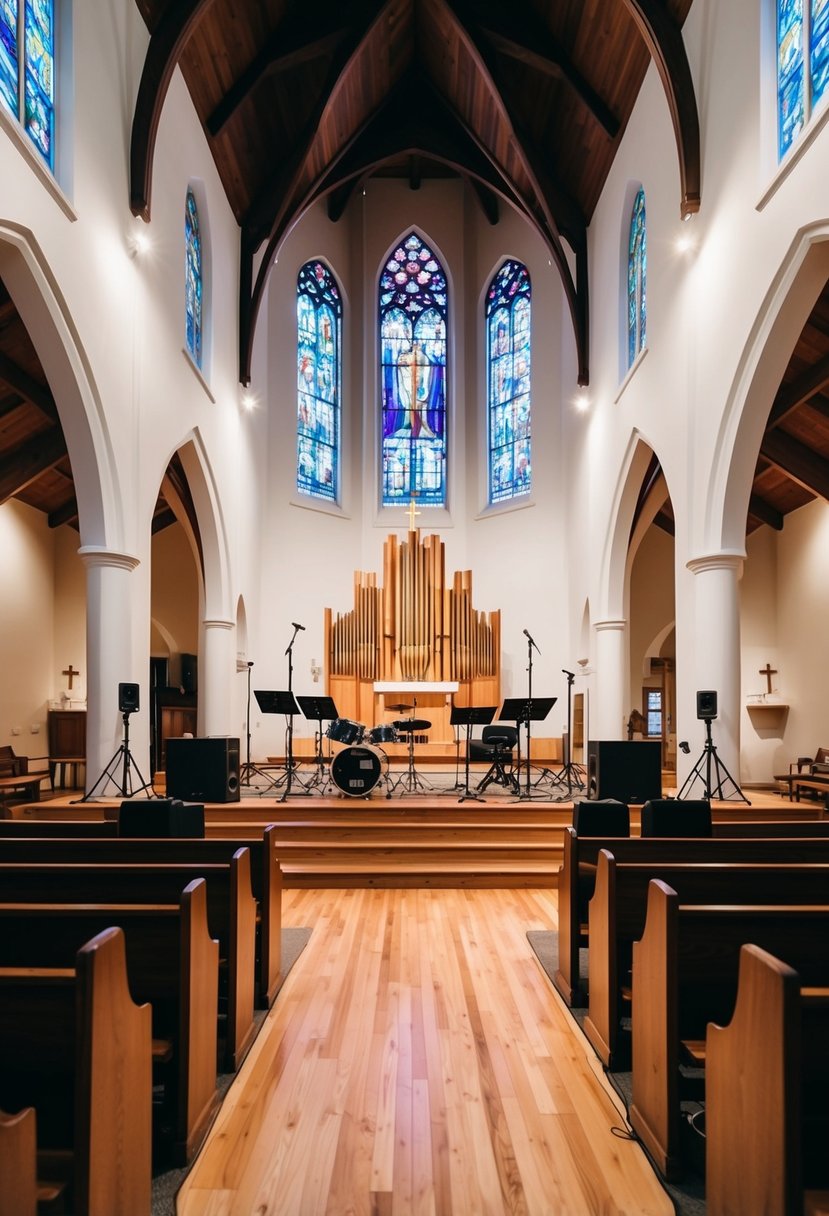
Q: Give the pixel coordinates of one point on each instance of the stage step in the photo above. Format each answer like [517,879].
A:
[462,873]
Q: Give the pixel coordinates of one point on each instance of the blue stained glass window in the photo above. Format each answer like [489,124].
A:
[319,375]
[32,99]
[508,393]
[637,279]
[802,65]
[413,315]
[193,279]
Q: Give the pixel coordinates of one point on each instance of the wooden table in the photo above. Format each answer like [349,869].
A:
[26,784]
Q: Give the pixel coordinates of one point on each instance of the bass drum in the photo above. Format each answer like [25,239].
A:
[343,730]
[356,770]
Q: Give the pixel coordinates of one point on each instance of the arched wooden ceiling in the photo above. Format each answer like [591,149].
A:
[527,101]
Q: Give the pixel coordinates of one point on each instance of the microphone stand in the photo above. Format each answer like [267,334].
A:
[289,755]
[247,767]
[530,644]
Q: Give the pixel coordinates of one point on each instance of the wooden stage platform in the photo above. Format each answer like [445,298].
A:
[425,839]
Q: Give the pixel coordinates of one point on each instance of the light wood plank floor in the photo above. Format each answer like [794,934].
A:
[418,1061]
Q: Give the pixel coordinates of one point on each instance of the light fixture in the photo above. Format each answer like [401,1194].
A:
[139,243]
[248,400]
[581,402]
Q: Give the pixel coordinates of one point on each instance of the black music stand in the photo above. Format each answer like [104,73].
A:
[319,710]
[523,710]
[282,702]
[469,716]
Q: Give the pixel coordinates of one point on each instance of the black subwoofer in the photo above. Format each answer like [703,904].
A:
[203,770]
[627,771]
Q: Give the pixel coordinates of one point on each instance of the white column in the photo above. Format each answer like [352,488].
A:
[217,668]
[109,659]
[717,647]
[607,710]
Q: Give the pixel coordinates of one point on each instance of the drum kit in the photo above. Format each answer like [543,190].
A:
[362,763]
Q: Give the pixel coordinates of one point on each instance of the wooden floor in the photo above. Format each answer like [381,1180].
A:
[417,1060]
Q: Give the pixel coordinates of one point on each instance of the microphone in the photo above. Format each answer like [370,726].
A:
[297,626]
[565,672]
[532,643]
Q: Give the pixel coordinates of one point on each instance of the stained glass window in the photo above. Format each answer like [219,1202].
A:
[802,65]
[508,394]
[319,374]
[193,279]
[413,313]
[637,279]
[27,80]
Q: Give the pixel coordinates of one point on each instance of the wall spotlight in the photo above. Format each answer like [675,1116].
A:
[139,243]
[248,400]
[581,402]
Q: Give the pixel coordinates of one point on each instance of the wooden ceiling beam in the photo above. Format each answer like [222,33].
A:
[25,464]
[538,50]
[65,514]
[286,48]
[487,199]
[790,396]
[803,465]
[665,522]
[663,38]
[27,387]
[163,518]
[277,198]
[765,512]
[166,44]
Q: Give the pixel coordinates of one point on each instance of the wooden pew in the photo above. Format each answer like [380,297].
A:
[91,1088]
[29,827]
[172,964]
[767,1083]
[778,827]
[617,919]
[265,877]
[18,1163]
[684,975]
[576,878]
[231,916]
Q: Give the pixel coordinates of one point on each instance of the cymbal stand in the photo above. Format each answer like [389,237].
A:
[410,781]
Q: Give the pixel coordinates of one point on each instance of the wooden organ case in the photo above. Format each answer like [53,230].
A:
[413,631]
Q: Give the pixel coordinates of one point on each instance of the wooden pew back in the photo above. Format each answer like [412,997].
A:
[767,1093]
[92,1089]
[684,975]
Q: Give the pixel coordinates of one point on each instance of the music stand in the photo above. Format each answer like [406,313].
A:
[318,709]
[525,710]
[469,716]
[282,702]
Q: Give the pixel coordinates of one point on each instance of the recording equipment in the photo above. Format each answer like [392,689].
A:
[127,698]
[203,770]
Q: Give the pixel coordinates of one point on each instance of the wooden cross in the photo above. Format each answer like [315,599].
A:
[70,672]
[411,514]
[768,671]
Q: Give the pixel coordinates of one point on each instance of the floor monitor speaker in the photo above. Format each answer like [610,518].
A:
[160,817]
[629,771]
[203,770]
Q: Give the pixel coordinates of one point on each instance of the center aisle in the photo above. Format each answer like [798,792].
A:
[418,1060]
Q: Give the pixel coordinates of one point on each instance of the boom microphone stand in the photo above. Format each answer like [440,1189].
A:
[248,769]
[571,773]
[289,757]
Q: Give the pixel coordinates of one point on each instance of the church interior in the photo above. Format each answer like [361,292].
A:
[414,428]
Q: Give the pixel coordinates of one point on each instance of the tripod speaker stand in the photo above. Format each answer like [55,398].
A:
[709,761]
[122,759]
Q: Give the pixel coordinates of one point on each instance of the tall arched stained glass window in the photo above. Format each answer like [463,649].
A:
[637,279]
[27,69]
[193,279]
[508,363]
[413,312]
[802,65]
[319,373]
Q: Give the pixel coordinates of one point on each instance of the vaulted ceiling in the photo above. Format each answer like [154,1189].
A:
[527,102]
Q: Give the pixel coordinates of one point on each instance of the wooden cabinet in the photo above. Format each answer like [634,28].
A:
[67,743]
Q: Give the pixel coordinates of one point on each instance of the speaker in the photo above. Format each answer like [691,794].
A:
[707,704]
[160,817]
[128,698]
[203,770]
[627,771]
[190,673]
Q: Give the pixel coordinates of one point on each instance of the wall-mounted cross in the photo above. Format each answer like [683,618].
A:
[768,671]
[411,514]
[70,672]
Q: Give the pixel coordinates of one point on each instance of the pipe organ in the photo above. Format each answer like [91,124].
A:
[415,628]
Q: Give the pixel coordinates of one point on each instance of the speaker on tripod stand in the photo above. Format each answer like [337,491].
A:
[709,768]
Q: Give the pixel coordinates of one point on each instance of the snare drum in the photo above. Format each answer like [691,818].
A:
[356,770]
[343,730]
[386,732]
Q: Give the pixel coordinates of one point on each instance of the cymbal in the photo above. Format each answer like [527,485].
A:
[408,726]
[399,709]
